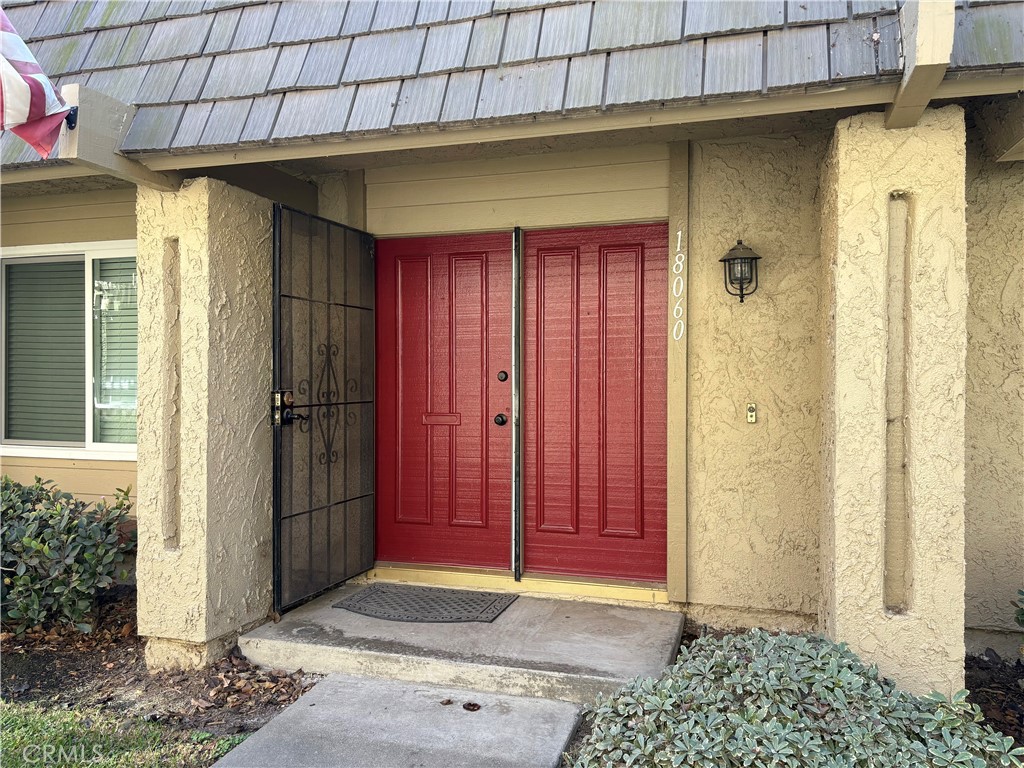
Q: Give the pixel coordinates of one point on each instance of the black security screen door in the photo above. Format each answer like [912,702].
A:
[322,405]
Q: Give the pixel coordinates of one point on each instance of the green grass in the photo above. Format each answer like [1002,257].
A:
[31,735]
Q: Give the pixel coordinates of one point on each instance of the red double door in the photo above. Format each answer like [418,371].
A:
[593,401]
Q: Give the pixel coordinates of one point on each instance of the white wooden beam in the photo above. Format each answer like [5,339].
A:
[927,27]
[102,124]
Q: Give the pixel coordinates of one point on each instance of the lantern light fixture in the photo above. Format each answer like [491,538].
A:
[740,268]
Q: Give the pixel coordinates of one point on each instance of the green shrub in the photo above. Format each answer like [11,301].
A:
[1020,607]
[57,552]
[765,700]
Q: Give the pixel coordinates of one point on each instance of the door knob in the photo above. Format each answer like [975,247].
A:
[501,419]
[290,416]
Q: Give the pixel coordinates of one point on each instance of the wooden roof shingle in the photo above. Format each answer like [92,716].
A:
[207,74]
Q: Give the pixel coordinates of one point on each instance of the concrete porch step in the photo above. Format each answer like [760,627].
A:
[351,722]
[555,649]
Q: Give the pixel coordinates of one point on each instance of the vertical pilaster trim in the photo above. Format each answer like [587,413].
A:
[677,326]
[897,525]
[171,433]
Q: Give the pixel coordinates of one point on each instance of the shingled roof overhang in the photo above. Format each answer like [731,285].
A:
[224,82]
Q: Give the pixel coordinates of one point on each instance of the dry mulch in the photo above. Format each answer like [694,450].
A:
[997,687]
[58,666]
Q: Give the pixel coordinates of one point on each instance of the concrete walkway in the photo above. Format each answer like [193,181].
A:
[350,722]
[382,704]
[558,649]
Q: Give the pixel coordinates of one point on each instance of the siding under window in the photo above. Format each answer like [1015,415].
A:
[44,391]
[115,327]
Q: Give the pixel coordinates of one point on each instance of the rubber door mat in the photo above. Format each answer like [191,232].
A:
[401,602]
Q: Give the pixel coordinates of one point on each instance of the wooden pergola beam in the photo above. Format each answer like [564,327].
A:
[95,141]
[927,46]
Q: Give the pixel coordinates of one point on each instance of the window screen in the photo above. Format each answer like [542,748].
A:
[115,327]
[44,351]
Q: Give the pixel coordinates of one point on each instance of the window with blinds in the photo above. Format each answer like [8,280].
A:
[115,328]
[44,323]
[49,335]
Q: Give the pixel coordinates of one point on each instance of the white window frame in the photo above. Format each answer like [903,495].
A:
[89,252]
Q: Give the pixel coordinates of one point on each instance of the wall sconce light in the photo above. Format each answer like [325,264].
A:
[740,267]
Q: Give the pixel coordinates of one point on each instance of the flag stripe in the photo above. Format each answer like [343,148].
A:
[30,106]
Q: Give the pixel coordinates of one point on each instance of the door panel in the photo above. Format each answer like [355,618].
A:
[324,440]
[444,468]
[594,413]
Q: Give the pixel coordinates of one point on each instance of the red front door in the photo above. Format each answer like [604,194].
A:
[444,334]
[593,391]
[594,385]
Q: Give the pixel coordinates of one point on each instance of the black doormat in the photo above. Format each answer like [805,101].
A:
[401,602]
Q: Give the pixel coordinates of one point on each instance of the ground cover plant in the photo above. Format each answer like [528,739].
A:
[768,701]
[58,553]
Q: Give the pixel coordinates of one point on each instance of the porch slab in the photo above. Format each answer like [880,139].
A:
[558,649]
[350,722]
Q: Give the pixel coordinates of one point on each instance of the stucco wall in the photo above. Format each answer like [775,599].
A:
[922,649]
[204,565]
[754,489]
[995,399]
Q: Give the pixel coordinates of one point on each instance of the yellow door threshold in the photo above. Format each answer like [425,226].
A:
[569,587]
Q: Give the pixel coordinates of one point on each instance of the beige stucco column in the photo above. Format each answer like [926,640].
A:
[894,244]
[204,442]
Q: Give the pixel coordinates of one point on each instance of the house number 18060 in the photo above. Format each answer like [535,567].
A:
[678,310]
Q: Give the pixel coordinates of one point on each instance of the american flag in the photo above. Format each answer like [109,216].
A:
[30,106]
